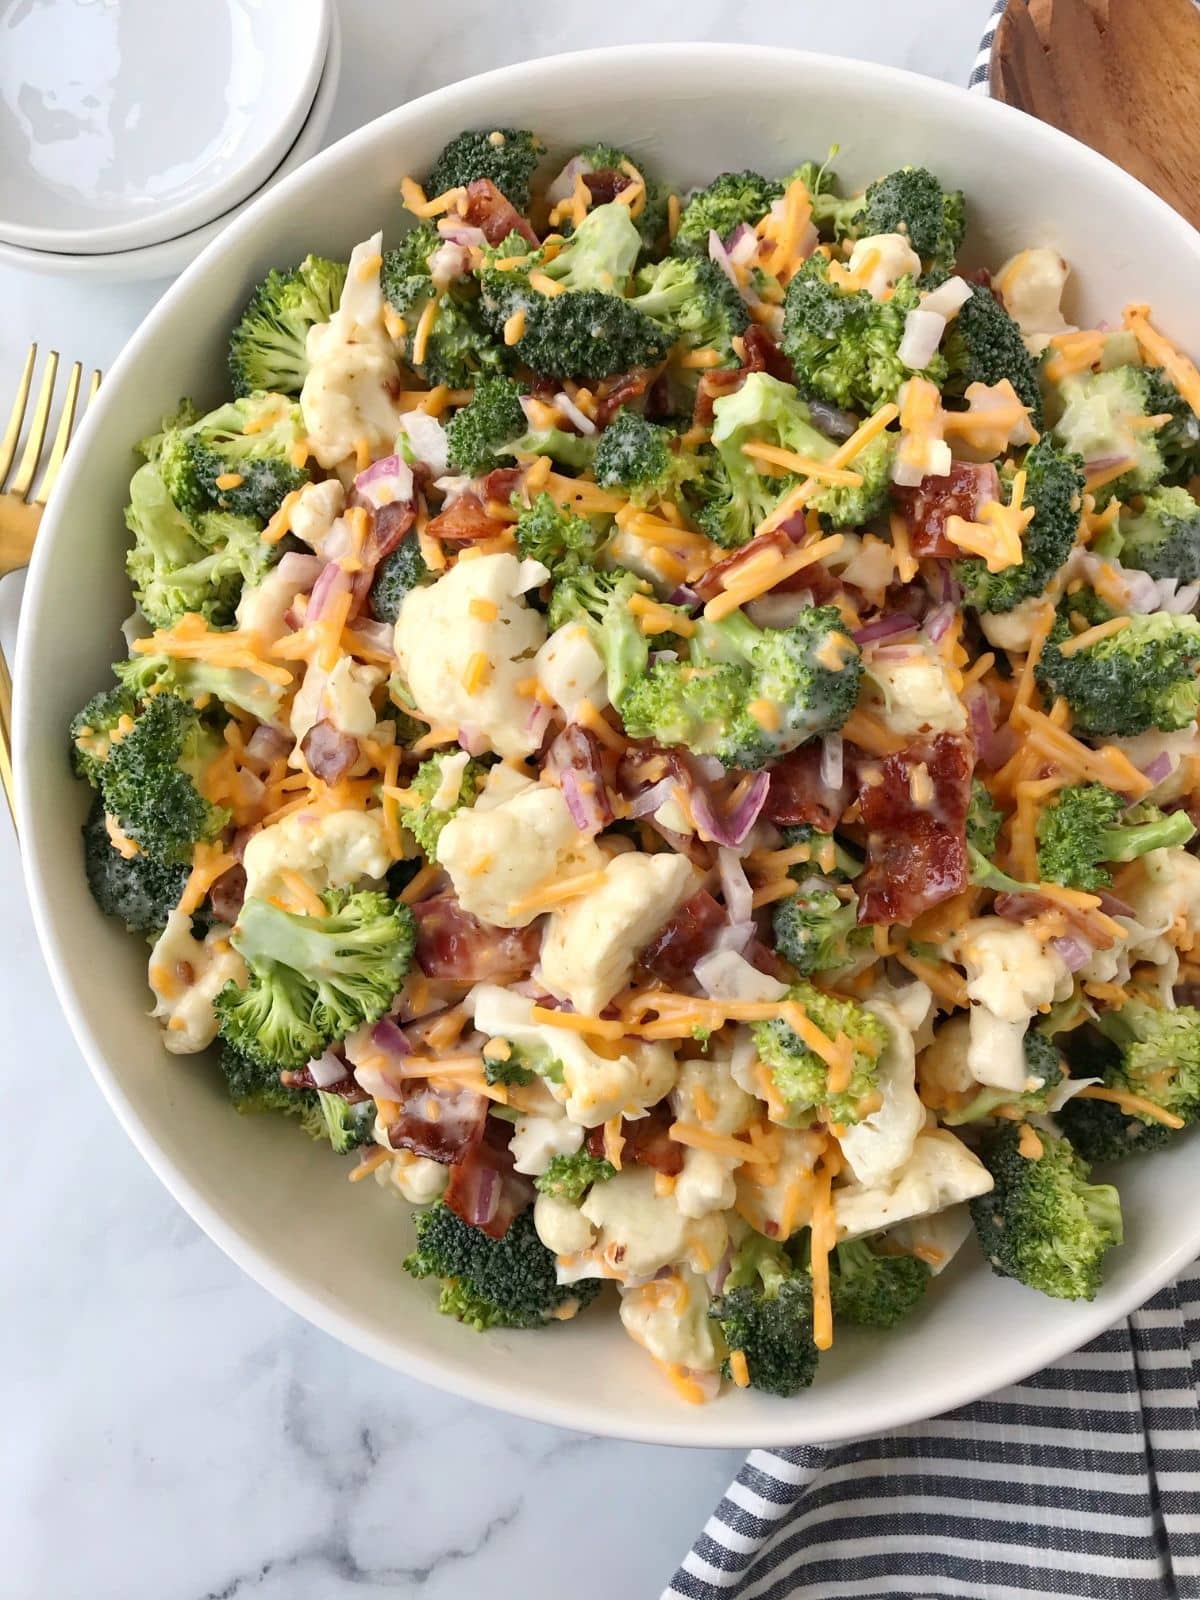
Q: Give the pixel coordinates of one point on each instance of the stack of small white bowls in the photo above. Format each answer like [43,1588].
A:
[132,131]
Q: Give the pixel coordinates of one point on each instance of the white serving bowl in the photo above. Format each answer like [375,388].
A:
[281,1207]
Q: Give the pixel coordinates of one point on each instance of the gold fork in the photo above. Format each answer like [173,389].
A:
[21,512]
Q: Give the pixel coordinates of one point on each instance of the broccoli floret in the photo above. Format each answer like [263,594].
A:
[843,344]
[832,213]
[149,782]
[491,431]
[1179,439]
[267,346]
[637,457]
[911,201]
[1043,1223]
[765,1310]
[1159,1055]
[138,890]
[800,1075]
[521,1064]
[826,852]
[1163,538]
[984,345]
[493,1283]
[1042,1060]
[93,727]
[178,564]
[250,440]
[809,673]
[1053,487]
[693,301]
[817,931]
[194,680]
[1142,677]
[600,600]
[588,335]
[600,254]
[346,1126]
[737,495]
[651,222]
[508,156]
[570,1177]
[984,818]
[253,1085]
[875,1291]
[1100,419]
[396,574]
[313,979]
[426,821]
[1086,825]
[1101,1131]
[561,541]
[730,199]
[457,345]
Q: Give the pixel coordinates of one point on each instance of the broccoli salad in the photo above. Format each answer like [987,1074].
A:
[662,724]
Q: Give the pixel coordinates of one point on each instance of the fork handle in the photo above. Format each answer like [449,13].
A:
[6,772]
[18,525]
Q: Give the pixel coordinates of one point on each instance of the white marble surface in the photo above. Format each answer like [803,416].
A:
[170,1432]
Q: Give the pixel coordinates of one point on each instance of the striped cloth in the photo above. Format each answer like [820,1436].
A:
[1083,1482]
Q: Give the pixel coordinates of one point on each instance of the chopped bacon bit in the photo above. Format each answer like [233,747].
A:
[605,184]
[709,584]
[916,853]
[646,1141]
[345,1088]
[488,210]
[441,1123]
[618,391]
[798,793]
[487,1165]
[764,355]
[501,484]
[227,894]
[683,939]
[453,944]
[932,502]
[464,521]
[715,383]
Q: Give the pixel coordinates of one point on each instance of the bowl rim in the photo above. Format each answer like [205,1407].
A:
[715,1426]
[181,216]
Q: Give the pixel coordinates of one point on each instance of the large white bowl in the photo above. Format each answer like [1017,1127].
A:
[282,1208]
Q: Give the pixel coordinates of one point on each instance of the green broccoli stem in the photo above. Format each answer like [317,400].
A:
[1129,842]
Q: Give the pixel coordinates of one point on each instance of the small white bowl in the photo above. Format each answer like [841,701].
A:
[276,1203]
[171,256]
[123,125]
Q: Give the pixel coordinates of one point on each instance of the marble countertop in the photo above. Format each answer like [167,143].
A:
[170,1432]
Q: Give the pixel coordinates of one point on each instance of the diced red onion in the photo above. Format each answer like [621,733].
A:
[1112,906]
[983,728]
[266,744]
[587,810]
[735,886]
[373,1080]
[573,414]
[385,481]
[644,804]
[388,1036]
[832,420]
[735,936]
[333,581]
[718,253]
[563,186]
[722,1270]
[485,1197]
[1074,952]
[379,635]
[709,768]
[882,628]
[742,244]
[950,586]
[733,829]
[459,232]
[427,440]
[535,726]
[449,262]
[1159,768]
[683,596]
[832,760]
[938,621]
[297,570]
[327,1069]
[473,742]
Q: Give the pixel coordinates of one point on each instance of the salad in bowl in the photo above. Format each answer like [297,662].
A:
[661,726]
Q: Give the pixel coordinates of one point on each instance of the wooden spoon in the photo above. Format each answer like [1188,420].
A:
[1121,75]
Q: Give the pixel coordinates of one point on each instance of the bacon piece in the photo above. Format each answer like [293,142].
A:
[618,391]
[488,210]
[227,894]
[916,848]
[710,583]
[683,939]
[1023,907]
[764,355]
[501,484]
[715,383]
[346,1087]
[483,1189]
[439,1123]
[928,505]
[645,762]
[605,184]
[647,1141]
[465,521]
[330,753]
[388,526]
[799,794]
[453,944]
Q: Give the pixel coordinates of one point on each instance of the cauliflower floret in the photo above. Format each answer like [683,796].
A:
[417,1179]
[917,693]
[329,852]
[570,668]
[784,1205]
[537,1140]
[639,1230]
[706,1183]
[316,510]
[1165,895]
[593,1088]
[1032,284]
[706,1096]
[341,696]
[669,1318]
[887,257]
[934,1240]
[940,1172]
[942,1069]
[1011,976]
[353,377]
[439,632]
[561,1226]
[591,944]
[186,975]
[263,609]
[1013,630]
[1142,749]
[499,856]
[883,1141]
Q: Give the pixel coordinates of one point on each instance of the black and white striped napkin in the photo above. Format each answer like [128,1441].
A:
[1083,1483]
